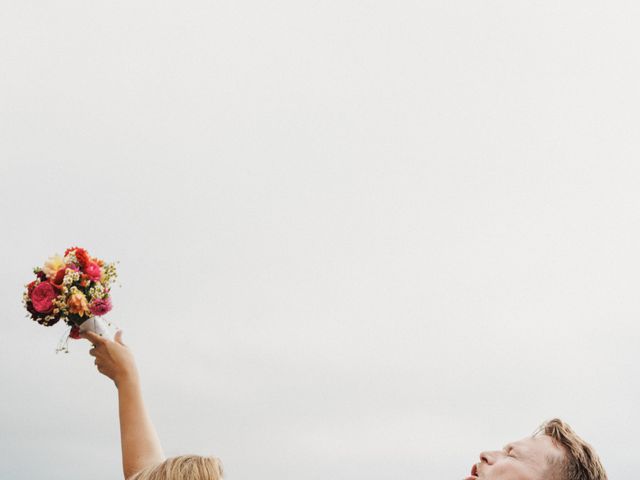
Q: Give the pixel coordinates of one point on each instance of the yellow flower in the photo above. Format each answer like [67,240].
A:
[78,304]
[52,265]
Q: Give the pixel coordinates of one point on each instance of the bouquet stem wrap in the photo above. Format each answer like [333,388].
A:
[99,326]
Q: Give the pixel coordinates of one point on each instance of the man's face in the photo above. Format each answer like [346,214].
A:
[526,459]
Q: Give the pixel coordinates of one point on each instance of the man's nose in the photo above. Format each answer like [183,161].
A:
[490,457]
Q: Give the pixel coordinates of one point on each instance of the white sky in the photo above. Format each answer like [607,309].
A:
[359,240]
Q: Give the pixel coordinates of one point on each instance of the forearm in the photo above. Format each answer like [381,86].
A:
[140,443]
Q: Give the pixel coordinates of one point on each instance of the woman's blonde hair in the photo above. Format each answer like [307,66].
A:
[185,467]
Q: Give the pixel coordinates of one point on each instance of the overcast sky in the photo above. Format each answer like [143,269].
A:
[357,240]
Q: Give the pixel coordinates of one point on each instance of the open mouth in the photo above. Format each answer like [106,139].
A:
[474,473]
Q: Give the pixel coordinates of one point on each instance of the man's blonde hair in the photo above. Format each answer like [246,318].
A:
[580,460]
[185,467]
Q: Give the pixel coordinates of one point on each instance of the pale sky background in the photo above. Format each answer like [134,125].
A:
[358,240]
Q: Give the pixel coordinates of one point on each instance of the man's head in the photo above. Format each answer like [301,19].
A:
[553,452]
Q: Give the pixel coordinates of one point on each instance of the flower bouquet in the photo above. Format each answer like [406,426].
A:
[74,288]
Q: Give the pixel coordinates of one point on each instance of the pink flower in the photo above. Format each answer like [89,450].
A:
[93,271]
[42,297]
[100,306]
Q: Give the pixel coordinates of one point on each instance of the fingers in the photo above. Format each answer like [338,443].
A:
[93,338]
[118,337]
[93,352]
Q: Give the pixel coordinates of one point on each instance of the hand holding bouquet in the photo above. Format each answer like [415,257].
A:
[74,288]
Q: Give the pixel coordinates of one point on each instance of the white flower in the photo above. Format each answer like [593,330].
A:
[52,265]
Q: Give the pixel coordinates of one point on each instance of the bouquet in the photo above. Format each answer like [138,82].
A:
[75,289]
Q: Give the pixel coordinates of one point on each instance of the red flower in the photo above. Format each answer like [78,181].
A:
[58,278]
[75,333]
[42,297]
[81,255]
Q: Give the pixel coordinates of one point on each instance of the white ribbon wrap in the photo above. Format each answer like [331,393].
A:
[99,326]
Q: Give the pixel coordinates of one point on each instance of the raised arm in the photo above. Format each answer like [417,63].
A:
[140,443]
